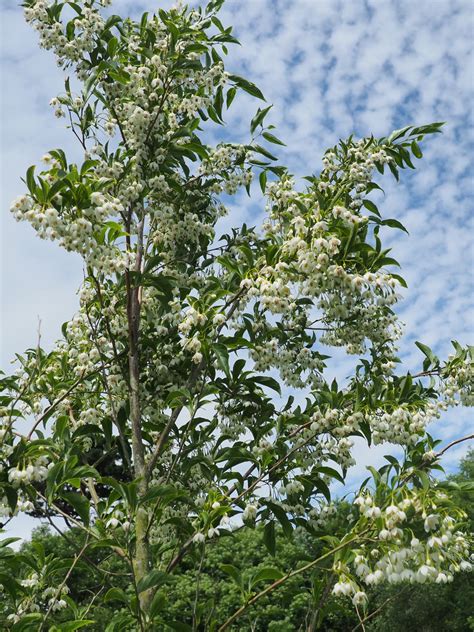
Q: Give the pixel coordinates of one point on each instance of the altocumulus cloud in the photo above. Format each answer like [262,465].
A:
[331,69]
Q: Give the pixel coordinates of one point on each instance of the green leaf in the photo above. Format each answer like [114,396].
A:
[329,471]
[121,622]
[117,594]
[398,133]
[416,151]
[269,382]
[425,349]
[269,537]
[70,626]
[424,479]
[405,155]
[432,128]
[387,261]
[213,115]
[230,96]
[233,572]
[24,624]
[166,493]
[266,574]
[87,165]
[112,46]
[261,150]
[80,505]
[263,181]
[400,279]
[394,171]
[394,223]
[272,139]
[153,579]
[280,515]
[258,118]
[158,603]
[323,488]
[222,356]
[248,86]
[7,541]
[179,627]
[10,584]
[370,206]
[30,179]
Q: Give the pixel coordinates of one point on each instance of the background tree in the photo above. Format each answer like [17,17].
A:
[159,422]
[425,607]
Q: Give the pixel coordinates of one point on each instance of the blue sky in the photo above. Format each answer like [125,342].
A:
[330,68]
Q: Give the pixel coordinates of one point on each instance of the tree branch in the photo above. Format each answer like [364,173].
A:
[77,557]
[233,303]
[281,581]
[453,443]
[55,404]
[372,614]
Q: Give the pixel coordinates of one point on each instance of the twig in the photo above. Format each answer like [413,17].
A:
[361,620]
[282,580]
[122,438]
[67,517]
[54,405]
[372,614]
[61,586]
[450,445]
[198,581]
[279,462]
[321,601]
[179,556]
[233,303]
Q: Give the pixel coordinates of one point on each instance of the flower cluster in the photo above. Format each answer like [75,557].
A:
[78,231]
[435,553]
[458,385]
[68,47]
[39,597]
[402,425]
[31,472]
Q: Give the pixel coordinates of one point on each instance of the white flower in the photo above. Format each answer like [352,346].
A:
[359,599]
[199,538]
[197,358]
[343,588]
[219,319]
[250,512]
[431,522]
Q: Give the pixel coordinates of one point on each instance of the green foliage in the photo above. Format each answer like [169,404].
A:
[427,608]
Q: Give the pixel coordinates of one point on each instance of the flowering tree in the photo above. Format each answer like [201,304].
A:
[187,398]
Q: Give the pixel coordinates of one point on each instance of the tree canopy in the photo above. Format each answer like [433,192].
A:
[188,400]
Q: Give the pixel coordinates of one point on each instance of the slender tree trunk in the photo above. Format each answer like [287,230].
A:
[142,556]
[142,553]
